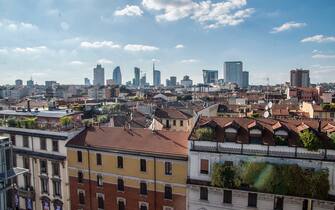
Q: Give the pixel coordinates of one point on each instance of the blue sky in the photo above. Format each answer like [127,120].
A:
[63,40]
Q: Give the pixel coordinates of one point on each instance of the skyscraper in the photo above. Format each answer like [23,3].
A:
[18,82]
[30,83]
[136,81]
[99,76]
[117,77]
[156,76]
[171,82]
[143,81]
[245,79]
[186,81]
[300,78]
[87,82]
[210,76]
[233,72]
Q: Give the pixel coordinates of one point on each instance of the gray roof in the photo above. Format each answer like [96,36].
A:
[49,114]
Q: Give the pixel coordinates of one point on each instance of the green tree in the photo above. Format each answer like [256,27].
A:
[225,176]
[66,121]
[205,133]
[310,140]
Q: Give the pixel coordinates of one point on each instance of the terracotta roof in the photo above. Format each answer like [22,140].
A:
[172,113]
[167,143]
[268,126]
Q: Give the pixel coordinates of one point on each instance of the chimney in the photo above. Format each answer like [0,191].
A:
[28,105]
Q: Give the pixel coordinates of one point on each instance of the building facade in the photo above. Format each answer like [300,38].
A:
[110,169]
[186,81]
[233,72]
[300,78]
[117,77]
[237,143]
[210,76]
[98,76]
[245,79]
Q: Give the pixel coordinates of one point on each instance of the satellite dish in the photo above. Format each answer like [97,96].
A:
[270,104]
[266,114]
[266,107]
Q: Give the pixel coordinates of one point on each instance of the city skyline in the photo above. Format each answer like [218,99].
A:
[50,41]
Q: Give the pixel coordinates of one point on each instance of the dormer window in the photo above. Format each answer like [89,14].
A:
[281,133]
[255,133]
[231,130]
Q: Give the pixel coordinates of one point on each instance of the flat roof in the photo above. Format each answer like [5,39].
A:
[43,113]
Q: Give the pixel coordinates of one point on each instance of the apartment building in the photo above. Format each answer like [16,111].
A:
[118,168]
[317,111]
[174,119]
[40,148]
[8,175]
[242,163]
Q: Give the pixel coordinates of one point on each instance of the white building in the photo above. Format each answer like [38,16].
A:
[241,140]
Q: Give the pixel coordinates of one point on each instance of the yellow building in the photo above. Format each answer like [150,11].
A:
[118,168]
[316,111]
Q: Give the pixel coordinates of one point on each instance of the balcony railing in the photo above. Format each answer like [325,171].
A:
[262,150]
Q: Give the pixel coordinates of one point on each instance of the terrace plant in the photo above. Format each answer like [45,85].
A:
[66,121]
[310,141]
[28,122]
[12,122]
[332,137]
[102,118]
[225,176]
[281,141]
[205,133]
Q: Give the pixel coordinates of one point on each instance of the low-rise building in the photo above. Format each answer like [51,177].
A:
[122,168]
[174,119]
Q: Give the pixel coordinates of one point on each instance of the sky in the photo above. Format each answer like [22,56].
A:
[63,40]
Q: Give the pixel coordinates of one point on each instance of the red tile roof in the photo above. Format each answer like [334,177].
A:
[167,143]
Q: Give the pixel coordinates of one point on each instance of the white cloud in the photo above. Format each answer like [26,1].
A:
[210,15]
[189,61]
[11,25]
[30,50]
[179,46]
[324,56]
[76,62]
[96,45]
[104,61]
[65,26]
[319,39]
[129,10]
[288,26]
[139,48]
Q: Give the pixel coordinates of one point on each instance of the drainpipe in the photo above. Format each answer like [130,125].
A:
[155,184]
[89,176]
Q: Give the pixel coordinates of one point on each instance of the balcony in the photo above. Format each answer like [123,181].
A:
[261,150]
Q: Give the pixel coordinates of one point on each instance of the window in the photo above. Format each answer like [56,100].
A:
[79,156]
[26,163]
[119,162]
[101,203]
[305,205]
[44,166]
[168,123]
[121,205]
[252,200]
[81,196]
[143,206]
[143,188]
[204,166]
[25,140]
[55,146]
[120,184]
[99,180]
[14,160]
[57,188]
[174,122]
[99,160]
[279,203]
[44,185]
[168,192]
[27,180]
[227,196]
[55,169]
[143,164]
[80,177]
[13,139]
[181,123]
[43,144]
[203,193]
[168,168]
